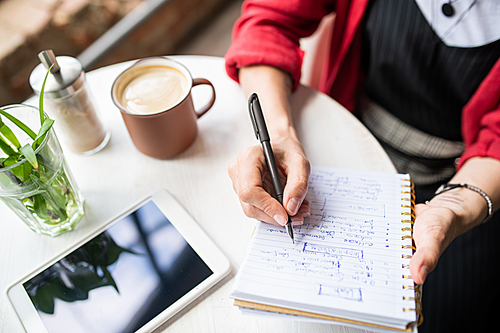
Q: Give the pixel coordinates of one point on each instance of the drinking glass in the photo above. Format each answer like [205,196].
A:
[48,199]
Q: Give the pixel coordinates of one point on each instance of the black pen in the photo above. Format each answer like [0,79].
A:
[260,128]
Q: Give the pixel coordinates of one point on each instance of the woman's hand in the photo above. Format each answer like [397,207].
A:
[249,173]
[452,213]
[435,227]
[252,183]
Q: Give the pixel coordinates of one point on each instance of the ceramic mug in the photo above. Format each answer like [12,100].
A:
[154,97]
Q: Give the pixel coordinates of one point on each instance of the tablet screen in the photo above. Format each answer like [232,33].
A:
[119,280]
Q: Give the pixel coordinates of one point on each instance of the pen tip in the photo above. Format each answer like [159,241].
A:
[290,232]
[289,228]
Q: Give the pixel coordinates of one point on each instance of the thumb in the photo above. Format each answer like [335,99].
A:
[423,262]
[432,236]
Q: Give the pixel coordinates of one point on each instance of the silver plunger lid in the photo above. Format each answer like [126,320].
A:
[65,78]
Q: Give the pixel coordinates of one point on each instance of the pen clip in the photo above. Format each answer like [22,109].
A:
[252,115]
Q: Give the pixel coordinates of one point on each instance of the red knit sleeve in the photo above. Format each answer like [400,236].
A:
[481,119]
[268,33]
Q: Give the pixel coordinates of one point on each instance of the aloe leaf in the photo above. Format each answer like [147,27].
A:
[19,173]
[40,101]
[109,278]
[9,135]
[29,153]
[43,299]
[61,213]
[19,124]
[59,198]
[46,195]
[46,162]
[40,206]
[47,124]
[23,171]
[6,148]
[5,180]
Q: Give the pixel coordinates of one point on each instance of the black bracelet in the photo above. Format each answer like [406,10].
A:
[448,187]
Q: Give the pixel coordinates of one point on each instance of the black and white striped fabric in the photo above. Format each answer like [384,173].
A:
[428,159]
[415,75]
[420,74]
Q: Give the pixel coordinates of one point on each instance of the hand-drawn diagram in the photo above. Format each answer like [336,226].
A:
[353,294]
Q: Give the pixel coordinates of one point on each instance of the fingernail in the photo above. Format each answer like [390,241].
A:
[297,222]
[293,206]
[306,214]
[423,273]
[280,219]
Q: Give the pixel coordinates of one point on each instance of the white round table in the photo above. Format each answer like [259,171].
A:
[120,175]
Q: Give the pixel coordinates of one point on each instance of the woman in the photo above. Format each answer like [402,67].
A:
[428,68]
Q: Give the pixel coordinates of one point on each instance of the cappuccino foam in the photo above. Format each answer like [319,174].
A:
[154,89]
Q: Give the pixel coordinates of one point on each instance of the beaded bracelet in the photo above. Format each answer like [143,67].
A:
[448,187]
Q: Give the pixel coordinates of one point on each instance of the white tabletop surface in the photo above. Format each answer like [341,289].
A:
[120,175]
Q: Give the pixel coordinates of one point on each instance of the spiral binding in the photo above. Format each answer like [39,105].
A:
[411,221]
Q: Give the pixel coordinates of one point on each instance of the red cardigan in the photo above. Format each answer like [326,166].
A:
[268,33]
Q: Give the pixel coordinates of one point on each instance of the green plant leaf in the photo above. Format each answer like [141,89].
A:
[6,148]
[9,135]
[47,124]
[40,206]
[46,167]
[61,213]
[19,124]
[23,171]
[43,299]
[109,278]
[5,180]
[40,101]
[59,198]
[19,173]
[29,153]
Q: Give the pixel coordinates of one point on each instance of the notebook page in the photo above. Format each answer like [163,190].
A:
[347,257]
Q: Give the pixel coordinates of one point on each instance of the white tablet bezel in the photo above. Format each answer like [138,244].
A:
[180,219]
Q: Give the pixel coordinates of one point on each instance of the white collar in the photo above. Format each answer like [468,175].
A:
[477,27]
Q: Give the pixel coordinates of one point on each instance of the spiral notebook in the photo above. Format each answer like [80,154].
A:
[349,263]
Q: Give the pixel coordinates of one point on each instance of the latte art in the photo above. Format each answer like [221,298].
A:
[155,89]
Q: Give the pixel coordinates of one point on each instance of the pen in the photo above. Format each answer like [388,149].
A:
[260,129]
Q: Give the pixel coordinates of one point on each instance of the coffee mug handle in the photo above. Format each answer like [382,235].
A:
[210,103]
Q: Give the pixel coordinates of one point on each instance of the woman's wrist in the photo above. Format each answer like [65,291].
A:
[469,206]
[277,132]
[489,204]
[274,88]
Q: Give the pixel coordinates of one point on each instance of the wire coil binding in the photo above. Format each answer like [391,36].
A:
[410,193]
[416,288]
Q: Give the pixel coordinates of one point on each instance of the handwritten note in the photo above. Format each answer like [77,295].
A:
[348,257]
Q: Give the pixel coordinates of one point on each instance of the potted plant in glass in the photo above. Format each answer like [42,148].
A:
[35,181]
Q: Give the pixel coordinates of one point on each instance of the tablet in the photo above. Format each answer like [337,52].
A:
[131,275]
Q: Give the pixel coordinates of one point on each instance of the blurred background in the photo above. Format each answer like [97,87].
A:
[103,32]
